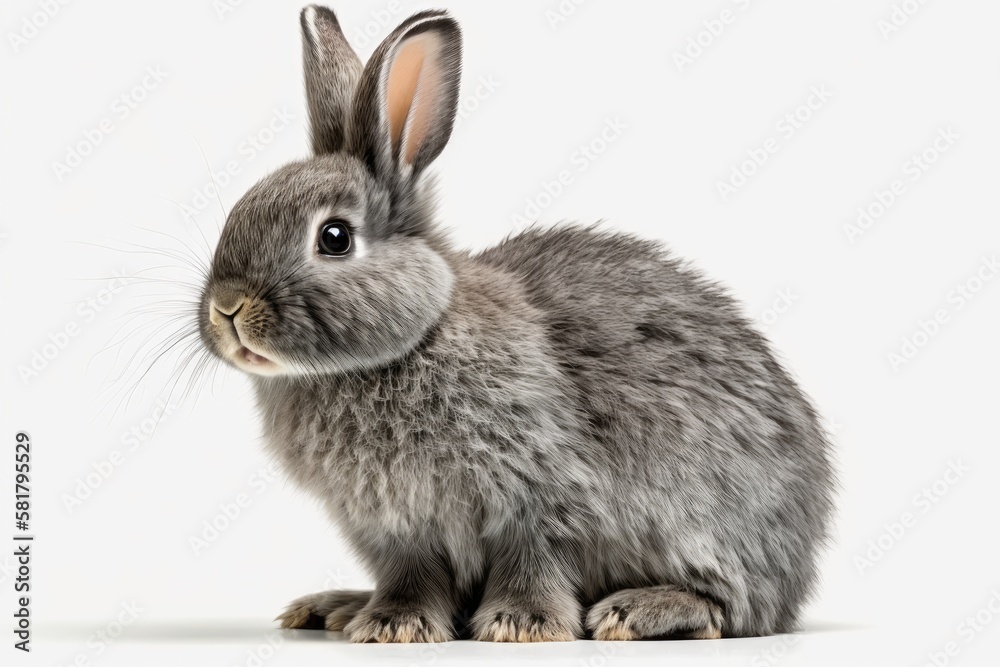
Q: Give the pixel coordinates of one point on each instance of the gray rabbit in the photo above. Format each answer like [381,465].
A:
[569,434]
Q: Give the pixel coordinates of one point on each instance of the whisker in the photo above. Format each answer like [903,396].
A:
[211,175]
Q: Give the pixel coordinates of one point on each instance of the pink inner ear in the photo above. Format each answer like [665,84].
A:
[414,82]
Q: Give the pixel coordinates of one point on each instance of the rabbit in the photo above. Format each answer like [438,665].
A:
[570,434]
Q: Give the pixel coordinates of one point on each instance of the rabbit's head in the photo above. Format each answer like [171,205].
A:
[330,264]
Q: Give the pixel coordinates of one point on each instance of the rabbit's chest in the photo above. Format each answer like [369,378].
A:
[375,468]
[396,485]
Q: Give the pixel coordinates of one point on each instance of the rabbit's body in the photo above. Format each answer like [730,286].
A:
[610,402]
[568,433]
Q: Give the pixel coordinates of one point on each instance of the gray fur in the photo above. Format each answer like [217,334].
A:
[572,420]
[332,71]
[370,138]
[329,610]
[655,611]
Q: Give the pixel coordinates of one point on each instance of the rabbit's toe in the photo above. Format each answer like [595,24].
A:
[331,610]
[516,624]
[392,624]
[657,611]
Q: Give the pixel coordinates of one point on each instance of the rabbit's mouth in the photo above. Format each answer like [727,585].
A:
[231,329]
[252,358]
[252,361]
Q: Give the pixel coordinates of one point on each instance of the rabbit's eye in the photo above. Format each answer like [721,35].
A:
[334,238]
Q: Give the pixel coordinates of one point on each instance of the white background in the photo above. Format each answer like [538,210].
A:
[836,304]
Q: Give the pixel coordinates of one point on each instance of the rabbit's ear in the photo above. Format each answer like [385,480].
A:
[332,72]
[408,96]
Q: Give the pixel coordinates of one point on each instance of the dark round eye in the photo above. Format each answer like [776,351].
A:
[334,238]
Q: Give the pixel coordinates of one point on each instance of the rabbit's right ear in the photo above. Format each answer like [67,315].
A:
[332,71]
[407,99]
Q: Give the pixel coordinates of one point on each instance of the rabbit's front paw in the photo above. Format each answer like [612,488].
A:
[331,610]
[514,622]
[386,622]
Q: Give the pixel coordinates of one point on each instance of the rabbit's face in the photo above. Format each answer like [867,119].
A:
[330,265]
[316,272]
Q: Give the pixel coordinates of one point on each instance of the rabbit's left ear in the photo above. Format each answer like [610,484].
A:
[406,101]
[332,71]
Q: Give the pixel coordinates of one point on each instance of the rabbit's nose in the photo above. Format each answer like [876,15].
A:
[221,312]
